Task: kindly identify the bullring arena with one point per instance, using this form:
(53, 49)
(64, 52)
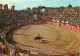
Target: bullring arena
(40, 31)
(56, 40)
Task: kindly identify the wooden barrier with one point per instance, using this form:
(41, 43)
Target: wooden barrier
(67, 55)
(78, 54)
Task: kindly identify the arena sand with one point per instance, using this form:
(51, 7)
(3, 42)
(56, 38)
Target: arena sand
(57, 40)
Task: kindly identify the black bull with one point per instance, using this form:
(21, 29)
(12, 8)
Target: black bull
(38, 38)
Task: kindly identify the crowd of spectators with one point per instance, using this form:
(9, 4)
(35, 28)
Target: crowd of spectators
(7, 18)
(68, 14)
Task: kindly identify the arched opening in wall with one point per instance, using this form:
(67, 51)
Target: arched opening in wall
(43, 10)
(35, 17)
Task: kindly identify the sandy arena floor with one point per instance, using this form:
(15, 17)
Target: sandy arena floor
(57, 40)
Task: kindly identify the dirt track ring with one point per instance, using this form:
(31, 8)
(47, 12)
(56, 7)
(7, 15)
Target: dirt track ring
(57, 40)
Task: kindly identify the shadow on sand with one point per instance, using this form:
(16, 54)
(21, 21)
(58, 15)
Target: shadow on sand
(44, 41)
